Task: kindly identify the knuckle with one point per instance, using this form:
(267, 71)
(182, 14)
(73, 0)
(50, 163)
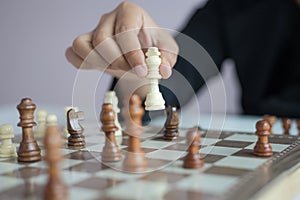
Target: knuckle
(99, 37)
(77, 43)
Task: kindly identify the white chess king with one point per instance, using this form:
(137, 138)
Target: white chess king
(154, 99)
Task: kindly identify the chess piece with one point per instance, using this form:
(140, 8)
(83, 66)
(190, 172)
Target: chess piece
(133, 113)
(135, 160)
(111, 97)
(55, 188)
(66, 109)
(154, 99)
(262, 147)
(193, 159)
(41, 123)
(171, 124)
(298, 126)
(271, 119)
(110, 151)
(29, 150)
(7, 148)
(286, 124)
(76, 138)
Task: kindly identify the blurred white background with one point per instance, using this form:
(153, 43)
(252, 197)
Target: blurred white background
(35, 34)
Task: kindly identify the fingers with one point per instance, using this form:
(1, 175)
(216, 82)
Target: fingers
(127, 27)
(75, 60)
(106, 46)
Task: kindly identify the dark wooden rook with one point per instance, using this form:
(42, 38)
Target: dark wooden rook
(29, 150)
(193, 159)
(76, 138)
(171, 124)
(111, 151)
(262, 147)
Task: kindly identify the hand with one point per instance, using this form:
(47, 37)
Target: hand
(119, 41)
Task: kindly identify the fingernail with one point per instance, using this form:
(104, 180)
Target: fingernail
(165, 71)
(140, 70)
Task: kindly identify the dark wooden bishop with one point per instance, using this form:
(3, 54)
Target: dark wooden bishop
(135, 160)
(111, 151)
(76, 138)
(55, 188)
(262, 147)
(193, 159)
(171, 124)
(286, 125)
(29, 150)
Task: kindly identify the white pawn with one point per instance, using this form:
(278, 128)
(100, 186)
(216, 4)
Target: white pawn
(51, 120)
(7, 148)
(66, 109)
(111, 97)
(154, 99)
(41, 123)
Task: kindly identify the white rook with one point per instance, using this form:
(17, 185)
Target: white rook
(154, 99)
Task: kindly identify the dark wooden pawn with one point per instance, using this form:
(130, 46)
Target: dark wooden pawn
(262, 147)
(29, 150)
(286, 125)
(171, 124)
(76, 138)
(193, 159)
(135, 160)
(55, 187)
(133, 113)
(111, 151)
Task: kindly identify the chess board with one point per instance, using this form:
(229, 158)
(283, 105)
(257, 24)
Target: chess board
(230, 171)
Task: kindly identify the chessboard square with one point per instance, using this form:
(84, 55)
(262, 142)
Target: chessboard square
(166, 154)
(73, 177)
(83, 193)
(96, 183)
(177, 168)
(282, 139)
(240, 162)
(163, 176)
(190, 195)
(242, 137)
(95, 139)
(90, 167)
(116, 175)
(9, 182)
(178, 146)
(66, 163)
(275, 147)
(156, 144)
(216, 150)
(82, 155)
(96, 148)
(210, 158)
(8, 167)
(230, 143)
(227, 171)
(142, 190)
(26, 172)
(208, 183)
(209, 141)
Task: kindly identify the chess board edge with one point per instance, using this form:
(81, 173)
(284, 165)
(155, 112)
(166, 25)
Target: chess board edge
(253, 183)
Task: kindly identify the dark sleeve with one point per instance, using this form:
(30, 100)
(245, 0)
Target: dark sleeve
(202, 51)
